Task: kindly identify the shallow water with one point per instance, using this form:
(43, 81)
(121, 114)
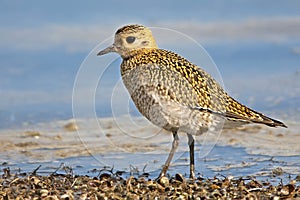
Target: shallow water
(222, 161)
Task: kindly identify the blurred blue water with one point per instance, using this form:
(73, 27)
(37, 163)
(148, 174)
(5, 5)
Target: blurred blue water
(33, 13)
(37, 76)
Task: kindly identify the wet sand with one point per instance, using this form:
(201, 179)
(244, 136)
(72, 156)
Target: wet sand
(62, 139)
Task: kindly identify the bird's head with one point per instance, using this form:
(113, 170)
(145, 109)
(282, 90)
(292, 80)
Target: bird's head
(130, 37)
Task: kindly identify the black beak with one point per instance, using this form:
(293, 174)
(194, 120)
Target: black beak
(107, 50)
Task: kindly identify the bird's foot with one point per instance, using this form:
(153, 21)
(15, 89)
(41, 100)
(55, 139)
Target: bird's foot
(161, 175)
(192, 177)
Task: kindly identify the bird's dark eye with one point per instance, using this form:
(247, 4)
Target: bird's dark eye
(130, 39)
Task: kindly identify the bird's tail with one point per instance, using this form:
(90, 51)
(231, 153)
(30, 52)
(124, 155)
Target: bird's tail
(238, 112)
(268, 121)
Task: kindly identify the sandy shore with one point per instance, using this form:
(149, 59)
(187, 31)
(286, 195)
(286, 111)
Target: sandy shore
(68, 138)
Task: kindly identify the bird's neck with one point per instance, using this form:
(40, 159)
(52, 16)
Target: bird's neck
(135, 58)
(136, 52)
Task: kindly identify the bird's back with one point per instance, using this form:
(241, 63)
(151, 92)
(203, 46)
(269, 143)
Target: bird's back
(165, 85)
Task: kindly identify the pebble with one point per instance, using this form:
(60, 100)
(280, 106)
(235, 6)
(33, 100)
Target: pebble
(72, 126)
(107, 186)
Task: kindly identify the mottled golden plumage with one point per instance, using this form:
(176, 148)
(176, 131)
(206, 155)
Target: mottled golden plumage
(175, 94)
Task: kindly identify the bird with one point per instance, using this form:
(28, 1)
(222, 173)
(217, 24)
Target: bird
(175, 94)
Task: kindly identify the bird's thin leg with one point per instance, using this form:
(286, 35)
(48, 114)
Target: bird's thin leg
(171, 154)
(191, 142)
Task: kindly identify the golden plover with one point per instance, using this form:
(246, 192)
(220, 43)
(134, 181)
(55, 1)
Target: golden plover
(175, 94)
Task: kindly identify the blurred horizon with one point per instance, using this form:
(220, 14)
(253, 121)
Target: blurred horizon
(255, 45)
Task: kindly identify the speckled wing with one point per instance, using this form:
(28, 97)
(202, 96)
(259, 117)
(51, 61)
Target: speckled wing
(216, 99)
